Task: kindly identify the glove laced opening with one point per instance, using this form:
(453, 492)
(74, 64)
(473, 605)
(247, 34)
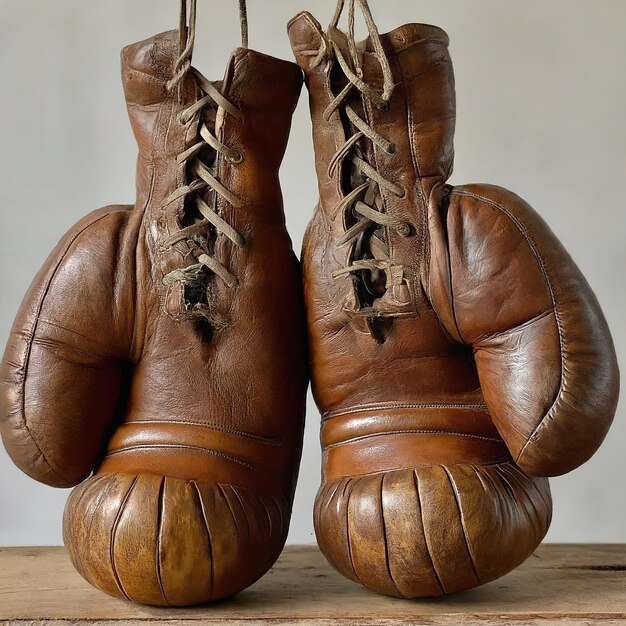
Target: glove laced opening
(363, 204)
(200, 163)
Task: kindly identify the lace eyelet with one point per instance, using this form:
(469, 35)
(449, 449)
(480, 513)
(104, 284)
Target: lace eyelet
(392, 149)
(235, 160)
(403, 194)
(405, 230)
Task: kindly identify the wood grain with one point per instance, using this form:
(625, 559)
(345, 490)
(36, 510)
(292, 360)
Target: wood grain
(560, 584)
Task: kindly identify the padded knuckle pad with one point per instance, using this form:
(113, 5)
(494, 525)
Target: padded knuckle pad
(386, 532)
(543, 350)
(171, 542)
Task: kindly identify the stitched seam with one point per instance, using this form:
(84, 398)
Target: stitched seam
(113, 538)
(27, 352)
(425, 205)
(428, 287)
(270, 525)
(383, 525)
(156, 269)
(280, 507)
(329, 93)
(507, 471)
(230, 508)
(457, 499)
(415, 279)
(209, 451)
(243, 509)
(412, 432)
(352, 485)
(205, 519)
(501, 333)
(379, 406)
(160, 514)
(544, 272)
(451, 286)
(141, 241)
(416, 483)
(411, 468)
(275, 443)
(67, 330)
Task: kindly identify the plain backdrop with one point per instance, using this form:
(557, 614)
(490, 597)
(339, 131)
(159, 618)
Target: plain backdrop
(541, 109)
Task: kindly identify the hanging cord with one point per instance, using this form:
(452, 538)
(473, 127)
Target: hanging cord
(243, 18)
(363, 199)
(206, 111)
(376, 42)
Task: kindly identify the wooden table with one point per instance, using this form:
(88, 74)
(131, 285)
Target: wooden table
(560, 584)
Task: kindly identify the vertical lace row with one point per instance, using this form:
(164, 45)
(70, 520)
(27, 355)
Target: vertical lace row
(199, 163)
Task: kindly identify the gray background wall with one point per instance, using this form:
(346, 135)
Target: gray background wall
(542, 105)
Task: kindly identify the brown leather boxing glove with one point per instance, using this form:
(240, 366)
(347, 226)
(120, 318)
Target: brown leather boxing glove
(458, 355)
(163, 345)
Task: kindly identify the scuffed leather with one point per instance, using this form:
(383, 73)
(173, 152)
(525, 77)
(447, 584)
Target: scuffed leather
(192, 433)
(494, 370)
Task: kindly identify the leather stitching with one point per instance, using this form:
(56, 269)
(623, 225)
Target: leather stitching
(457, 499)
(277, 443)
(415, 156)
(209, 451)
(522, 229)
(416, 482)
(113, 538)
(160, 514)
(446, 433)
(500, 333)
(451, 285)
(31, 338)
(352, 484)
(205, 519)
(383, 524)
(392, 405)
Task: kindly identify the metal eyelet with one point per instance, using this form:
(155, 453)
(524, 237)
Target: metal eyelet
(235, 160)
(392, 149)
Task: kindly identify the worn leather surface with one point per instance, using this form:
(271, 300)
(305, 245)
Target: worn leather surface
(192, 432)
(448, 402)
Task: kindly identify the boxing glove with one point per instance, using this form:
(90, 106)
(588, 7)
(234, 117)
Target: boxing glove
(158, 360)
(458, 356)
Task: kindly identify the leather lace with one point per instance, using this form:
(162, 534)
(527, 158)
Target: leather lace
(364, 199)
(210, 108)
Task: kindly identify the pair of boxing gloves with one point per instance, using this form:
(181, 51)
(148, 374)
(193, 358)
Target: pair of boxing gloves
(159, 361)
